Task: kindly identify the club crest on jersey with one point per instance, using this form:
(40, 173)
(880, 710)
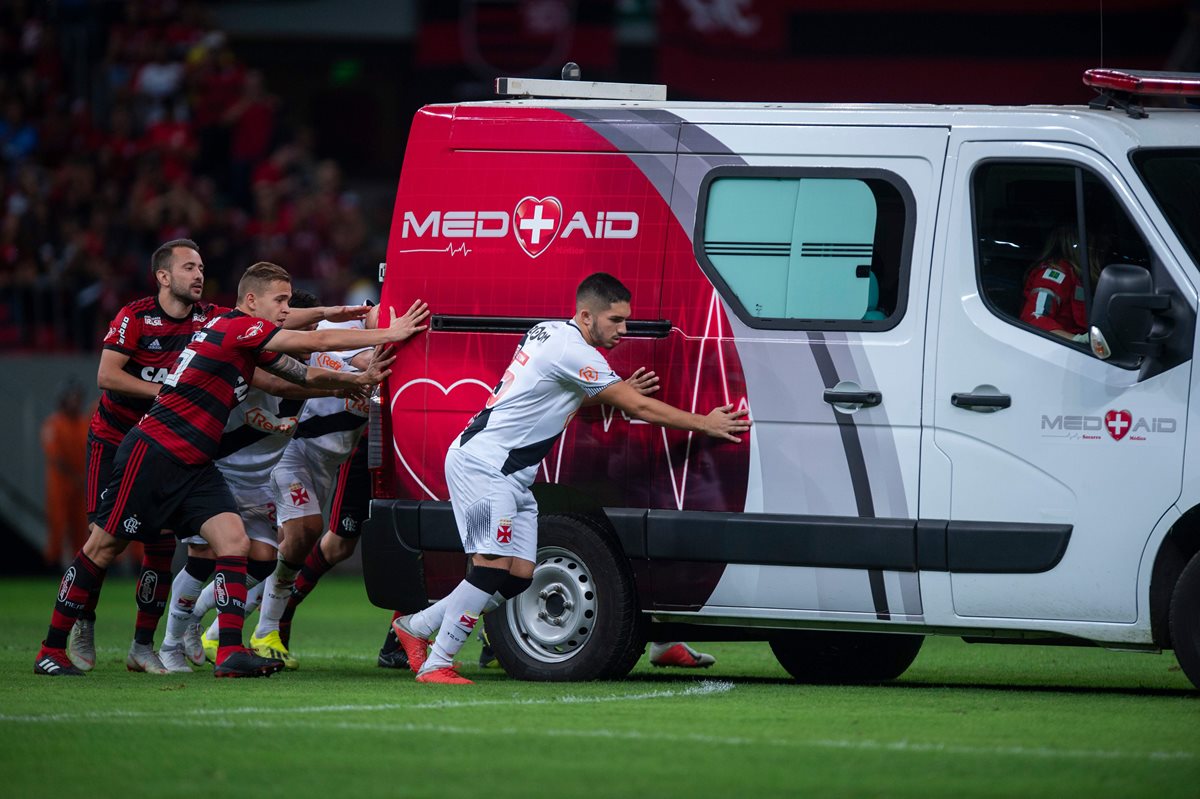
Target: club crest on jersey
(131, 525)
(64, 587)
(349, 525)
(299, 495)
(146, 586)
(252, 331)
(504, 531)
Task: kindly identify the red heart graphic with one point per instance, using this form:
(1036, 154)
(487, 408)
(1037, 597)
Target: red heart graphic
(536, 223)
(1118, 423)
(441, 425)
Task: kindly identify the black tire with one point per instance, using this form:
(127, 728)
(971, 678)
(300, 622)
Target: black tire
(1185, 620)
(583, 584)
(814, 656)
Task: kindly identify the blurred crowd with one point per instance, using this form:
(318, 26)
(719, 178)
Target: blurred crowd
(125, 124)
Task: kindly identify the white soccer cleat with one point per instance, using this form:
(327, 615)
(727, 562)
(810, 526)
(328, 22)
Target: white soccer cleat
(81, 644)
(175, 659)
(142, 657)
(192, 646)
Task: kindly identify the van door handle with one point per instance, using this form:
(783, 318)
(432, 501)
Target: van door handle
(866, 399)
(983, 403)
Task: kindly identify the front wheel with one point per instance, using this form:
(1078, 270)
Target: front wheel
(1185, 620)
(579, 619)
(815, 656)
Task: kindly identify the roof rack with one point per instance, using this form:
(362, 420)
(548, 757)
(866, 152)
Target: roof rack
(1124, 87)
(572, 87)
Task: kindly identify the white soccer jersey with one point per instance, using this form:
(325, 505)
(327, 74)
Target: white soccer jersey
(330, 424)
(552, 372)
(257, 431)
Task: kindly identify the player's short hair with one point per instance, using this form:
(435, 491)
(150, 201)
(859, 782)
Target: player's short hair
(161, 260)
(303, 299)
(259, 277)
(601, 288)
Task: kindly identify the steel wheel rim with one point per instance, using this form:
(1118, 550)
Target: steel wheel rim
(552, 620)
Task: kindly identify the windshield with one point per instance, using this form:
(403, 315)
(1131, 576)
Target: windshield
(1173, 177)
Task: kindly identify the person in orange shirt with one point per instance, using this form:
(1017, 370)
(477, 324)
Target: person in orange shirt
(64, 441)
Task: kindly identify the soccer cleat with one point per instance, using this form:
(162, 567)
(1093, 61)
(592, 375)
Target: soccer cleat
(413, 645)
(391, 656)
(209, 645)
(174, 658)
(443, 676)
(680, 655)
(244, 663)
(55, 663)
(193, 647)
(142, 657)
(81, 644)
(270, 646)
(487, 657)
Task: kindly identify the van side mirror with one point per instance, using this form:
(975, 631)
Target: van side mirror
(1123, 312)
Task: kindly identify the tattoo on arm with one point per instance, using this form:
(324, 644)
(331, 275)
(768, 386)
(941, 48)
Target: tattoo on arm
(290, 370)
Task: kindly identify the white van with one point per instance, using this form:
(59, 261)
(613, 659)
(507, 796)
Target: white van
(962, 425)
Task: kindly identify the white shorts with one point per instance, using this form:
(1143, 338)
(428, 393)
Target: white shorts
(303, 481)
(495, 515)
(256, 506)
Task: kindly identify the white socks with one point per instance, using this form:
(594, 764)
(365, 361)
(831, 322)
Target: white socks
(184, 591)
(275, 597)
(460, 613)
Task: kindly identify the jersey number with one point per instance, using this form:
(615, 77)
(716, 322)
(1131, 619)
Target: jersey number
(185, 358)
(501, 388)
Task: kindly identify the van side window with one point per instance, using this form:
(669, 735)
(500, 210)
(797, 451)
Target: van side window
(801, 252)
(1027, 230)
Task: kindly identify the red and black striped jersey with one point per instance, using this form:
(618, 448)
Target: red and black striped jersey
(153, 340)
(210, 377)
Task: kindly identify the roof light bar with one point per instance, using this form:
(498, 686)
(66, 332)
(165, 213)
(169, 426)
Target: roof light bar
(1146, 84)
(577, 89)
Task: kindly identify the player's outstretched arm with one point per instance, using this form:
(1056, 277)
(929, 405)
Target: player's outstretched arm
(296, 372)
(722, 422)
(300, 318)
(111, 376)
(298, 342)
(643, 381)
(265, 381)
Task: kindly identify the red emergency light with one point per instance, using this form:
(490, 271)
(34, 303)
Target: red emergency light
(1124, 88)
(1145, 84)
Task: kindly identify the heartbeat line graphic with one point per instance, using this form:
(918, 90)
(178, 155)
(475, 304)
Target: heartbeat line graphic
(453, 249)
(609, 414)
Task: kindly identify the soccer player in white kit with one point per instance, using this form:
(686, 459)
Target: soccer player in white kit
(491, 465)
(326, 436)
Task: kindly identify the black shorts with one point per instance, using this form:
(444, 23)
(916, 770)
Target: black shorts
(352, 495)
(150, 491)
(100, 454)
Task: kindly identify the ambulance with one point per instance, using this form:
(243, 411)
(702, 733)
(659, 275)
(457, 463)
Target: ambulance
(933, 452)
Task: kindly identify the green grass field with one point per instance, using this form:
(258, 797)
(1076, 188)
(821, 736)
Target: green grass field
(965, 720)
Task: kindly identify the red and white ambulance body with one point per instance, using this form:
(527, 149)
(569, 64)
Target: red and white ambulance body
(923, 460)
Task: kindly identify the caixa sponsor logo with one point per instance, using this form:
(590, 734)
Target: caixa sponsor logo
(535, 222)
(1118, 424)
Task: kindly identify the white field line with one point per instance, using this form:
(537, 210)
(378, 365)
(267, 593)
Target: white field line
(219, 718)
(702, 688)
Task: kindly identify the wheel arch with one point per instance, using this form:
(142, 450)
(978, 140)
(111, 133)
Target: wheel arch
(1178, 547)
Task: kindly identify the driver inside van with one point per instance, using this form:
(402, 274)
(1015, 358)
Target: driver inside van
(1054, 287)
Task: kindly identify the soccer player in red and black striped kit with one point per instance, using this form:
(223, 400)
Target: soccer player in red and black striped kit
(142, 344)
(163, 474)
